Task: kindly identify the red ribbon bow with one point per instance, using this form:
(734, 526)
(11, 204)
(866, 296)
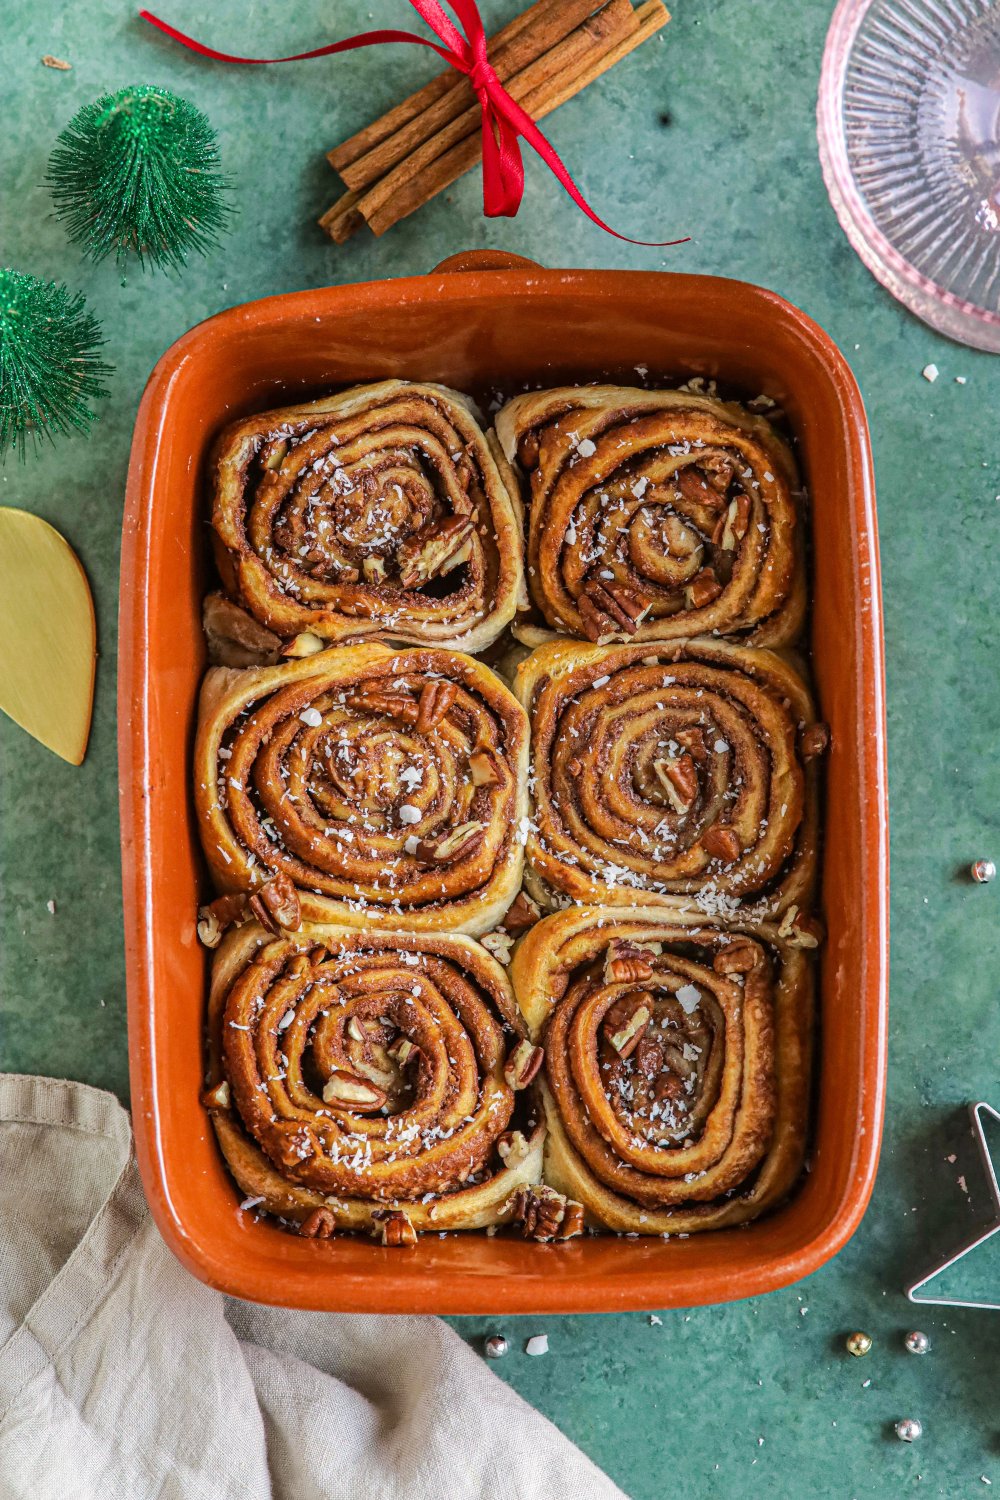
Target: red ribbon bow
(504, 121)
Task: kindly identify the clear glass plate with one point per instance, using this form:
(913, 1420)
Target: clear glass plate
(909, 136)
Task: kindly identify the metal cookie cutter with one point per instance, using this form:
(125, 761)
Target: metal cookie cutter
(976, 1111)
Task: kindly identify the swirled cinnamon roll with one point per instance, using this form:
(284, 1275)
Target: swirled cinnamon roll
(675, 1082)
(382, 511)
(383, 787)
(370, 1081)
(682, 778)
(656, 514)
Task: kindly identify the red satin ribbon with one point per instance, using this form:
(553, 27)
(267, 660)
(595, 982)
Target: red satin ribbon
(504, 121)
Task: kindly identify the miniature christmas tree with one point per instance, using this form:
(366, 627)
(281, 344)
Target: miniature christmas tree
(137, 173)
(50, 371)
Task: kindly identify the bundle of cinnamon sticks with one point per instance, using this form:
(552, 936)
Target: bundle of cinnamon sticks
(544, 57)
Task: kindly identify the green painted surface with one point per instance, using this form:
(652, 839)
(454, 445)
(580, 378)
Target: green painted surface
(678, 1408)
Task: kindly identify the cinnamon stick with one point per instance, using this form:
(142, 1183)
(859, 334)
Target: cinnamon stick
(454, 143)
(544, 26)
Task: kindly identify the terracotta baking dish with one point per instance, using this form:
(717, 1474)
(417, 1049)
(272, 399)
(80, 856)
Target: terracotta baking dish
(478, 320)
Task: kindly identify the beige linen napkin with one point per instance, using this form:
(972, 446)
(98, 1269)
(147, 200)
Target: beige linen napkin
(123, 1378)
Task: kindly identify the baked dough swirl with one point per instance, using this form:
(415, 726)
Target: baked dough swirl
(656, 514)
(675, 1083)
(356, 1081)
(389, 787)
(682, 778)
(383, 511)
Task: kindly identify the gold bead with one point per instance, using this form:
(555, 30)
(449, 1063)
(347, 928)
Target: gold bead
(858, 1344)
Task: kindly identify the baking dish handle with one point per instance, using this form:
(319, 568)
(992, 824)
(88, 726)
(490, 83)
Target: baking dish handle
(486, 260)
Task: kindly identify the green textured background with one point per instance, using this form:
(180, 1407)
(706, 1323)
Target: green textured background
(709, 130)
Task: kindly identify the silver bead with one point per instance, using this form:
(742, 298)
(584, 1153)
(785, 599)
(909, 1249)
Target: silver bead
(983, 871)
(917, 1343)
(909, 1429)
(496, 1346)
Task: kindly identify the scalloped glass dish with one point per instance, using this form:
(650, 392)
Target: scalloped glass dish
(909, 135)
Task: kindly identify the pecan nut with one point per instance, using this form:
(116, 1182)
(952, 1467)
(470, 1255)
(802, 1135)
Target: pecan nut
(373, 698)
(395, 1229)
(523, 1064)
(434, 550)
(800, 930)
(741, 956)
(435, 700)
(545, 1215)
(721, 843)
(352, 1092)
(703, 589)
(483, 769)
(452, 845)
(217, 1097)
(522, 913)
(276, 905)
(223, 912)
(500, 945)
(610, 608)
(626, 963)
(319, 1225)
(628, 1037)
(731, 527)
(679, 779)
(813, 740)
(513, 1149)
(306, 643)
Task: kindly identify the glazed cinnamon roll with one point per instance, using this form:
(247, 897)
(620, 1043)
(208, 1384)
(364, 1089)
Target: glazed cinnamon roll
(370, 1081)
(656, 514)
(681, 778)
(381, 787)
(675, 1081)
(382, 511)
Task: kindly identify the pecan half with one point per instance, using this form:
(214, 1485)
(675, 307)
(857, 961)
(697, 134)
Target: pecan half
(703, 588)
(513, 1148)
(452, 845)
(373, 569)
(679, 779)
(813, 740)
(731, 527)
(435, 700)
(521, 1067)
(482, 768)
(276, 905)
(217, 1097)
(740, 957)
(545, 1215)
(649, 1057)
(721, 843)
(434, 550)
(705, 483)
(306, 643)
(628, 1037)
(609, 607)
(500, 945)
(626, 963)
(319, 1225)
(799, 930)
(394, 1228)
(694, 742)
(217, 915)
(403, 1051)
(522, 913)
(352, 1092)
(372, 698)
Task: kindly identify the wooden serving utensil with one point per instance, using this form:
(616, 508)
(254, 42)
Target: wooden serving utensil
(48, 638)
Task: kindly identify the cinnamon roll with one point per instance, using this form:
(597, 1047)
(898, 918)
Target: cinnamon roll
(682, 777)
(676, 1070)
(382, 511)
(368, 1081)
(656, 514)
(378, 787)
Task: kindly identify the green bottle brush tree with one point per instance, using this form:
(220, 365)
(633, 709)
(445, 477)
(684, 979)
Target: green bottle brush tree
(50, 370)
(137, 173)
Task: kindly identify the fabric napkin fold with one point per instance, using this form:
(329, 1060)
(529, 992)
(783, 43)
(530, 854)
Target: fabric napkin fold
(124, 1378)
